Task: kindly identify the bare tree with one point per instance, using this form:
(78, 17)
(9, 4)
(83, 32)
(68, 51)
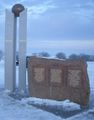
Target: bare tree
(61, 55)
(44, 54)
(73, 56)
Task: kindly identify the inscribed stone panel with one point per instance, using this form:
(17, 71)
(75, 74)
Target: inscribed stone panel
(39, 74)
(56, 75)
(74, 78)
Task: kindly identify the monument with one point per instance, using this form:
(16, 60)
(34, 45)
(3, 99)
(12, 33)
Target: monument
(58, 79)
(47, 78)
(14, 17)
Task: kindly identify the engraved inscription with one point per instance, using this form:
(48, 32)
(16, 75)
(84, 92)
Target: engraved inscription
(56, 75)
(39, 74)
(74, 77)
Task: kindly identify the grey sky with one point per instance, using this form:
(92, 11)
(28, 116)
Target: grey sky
(55, 20)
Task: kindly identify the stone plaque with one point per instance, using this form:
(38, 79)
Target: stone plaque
(56, 75)
(39, 74)
(74, 78)
(59, 80)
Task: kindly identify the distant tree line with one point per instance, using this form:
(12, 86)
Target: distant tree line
(59, 55)
(83, 56)
(62, 55)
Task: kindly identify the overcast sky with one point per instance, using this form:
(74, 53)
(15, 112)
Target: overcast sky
(56, 25)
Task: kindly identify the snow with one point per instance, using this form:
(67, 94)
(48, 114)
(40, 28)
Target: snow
(65, 105)
(14, 109)
(89, 115)
(91, 74)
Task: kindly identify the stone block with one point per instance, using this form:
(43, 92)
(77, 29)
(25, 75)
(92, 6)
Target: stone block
(59, 80)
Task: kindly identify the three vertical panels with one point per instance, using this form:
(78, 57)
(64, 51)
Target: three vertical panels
(58, 79)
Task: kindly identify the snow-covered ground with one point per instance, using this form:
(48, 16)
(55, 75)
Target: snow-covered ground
(14, 109)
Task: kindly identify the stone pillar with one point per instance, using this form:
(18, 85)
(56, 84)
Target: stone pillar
(10, 51)
(18, 10)
(22, 50)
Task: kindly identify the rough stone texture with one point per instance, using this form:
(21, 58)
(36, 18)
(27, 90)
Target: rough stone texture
(56, 75)
(59, 80)
(39, 74)
(74, 77)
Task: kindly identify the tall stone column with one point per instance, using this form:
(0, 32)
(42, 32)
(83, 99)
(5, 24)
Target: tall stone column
(10, 51)
(11, 20)
(22, 50)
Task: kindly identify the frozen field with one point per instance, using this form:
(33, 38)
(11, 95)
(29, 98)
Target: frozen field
(13, 109)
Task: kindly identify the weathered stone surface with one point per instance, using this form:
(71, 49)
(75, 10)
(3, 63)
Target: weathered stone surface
(39, 74)
(59, 80)
(74, 77)
(56, 75)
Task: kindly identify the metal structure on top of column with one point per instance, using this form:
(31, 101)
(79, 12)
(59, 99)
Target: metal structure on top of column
(11, 21)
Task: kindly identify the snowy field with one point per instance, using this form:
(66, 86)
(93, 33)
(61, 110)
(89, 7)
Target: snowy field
(14, 109)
